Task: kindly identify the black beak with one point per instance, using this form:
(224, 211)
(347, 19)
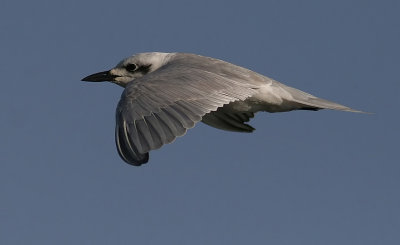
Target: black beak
(100, 77)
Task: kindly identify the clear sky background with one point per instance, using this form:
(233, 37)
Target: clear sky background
(302, 177)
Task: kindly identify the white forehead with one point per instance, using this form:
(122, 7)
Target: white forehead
(156, 59)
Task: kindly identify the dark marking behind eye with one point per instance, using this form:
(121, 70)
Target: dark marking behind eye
(144, 69)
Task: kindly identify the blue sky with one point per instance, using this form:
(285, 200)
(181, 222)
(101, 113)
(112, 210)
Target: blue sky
(303, 177)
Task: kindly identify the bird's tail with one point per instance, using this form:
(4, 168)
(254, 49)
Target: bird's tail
(311, 102)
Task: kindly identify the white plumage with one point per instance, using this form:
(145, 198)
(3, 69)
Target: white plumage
(167, 93)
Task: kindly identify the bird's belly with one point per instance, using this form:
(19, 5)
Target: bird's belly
(254, 105)
(269, 98)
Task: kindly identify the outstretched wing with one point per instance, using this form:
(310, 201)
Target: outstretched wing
(226, 119)
(162, 105)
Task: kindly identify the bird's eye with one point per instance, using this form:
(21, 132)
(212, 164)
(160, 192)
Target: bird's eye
(131, 67)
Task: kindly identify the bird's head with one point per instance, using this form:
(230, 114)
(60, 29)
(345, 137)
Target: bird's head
(131, 68)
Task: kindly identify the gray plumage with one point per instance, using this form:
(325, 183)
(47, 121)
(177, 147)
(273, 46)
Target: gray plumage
(167, 93)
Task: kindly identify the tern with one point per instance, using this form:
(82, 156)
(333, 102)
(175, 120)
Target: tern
(168, 93)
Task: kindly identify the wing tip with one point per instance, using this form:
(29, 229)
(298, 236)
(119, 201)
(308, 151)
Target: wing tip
(137, 162)
(126, 151)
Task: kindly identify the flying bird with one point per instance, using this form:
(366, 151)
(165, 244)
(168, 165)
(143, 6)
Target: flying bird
(167, 93)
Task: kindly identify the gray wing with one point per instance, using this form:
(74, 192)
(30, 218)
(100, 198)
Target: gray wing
(226, 119)
(162, 105)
